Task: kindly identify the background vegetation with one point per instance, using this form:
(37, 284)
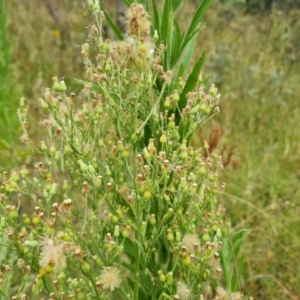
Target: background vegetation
(253, 55)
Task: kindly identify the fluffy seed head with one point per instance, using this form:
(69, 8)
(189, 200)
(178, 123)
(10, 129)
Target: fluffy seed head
(110, 278)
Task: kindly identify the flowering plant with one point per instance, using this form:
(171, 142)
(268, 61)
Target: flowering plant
(121, 206)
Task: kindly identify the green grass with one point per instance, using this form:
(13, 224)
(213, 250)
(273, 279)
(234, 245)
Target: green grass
(255, 60)
(8, 91)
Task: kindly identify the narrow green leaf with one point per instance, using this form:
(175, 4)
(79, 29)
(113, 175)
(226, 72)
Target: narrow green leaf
(188, 53)
(112, 25)
(192, 80)
(156, 20)
(166, 32)
(128, 2)
(198, 17)
(195, 24)
(176, 43)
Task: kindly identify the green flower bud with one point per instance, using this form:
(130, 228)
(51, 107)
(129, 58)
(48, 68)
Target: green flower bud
(91, 169)
(186, 260)
(107, 171)
(14, 214)
(43, 146)
(147, 195)
(205, 236)
(32, 244)
(36, 220)
(167, 103)
(176, 96)
(170, 278)
(125, 154)
(143, 226)
(98, 181)
(86, 267)
(62, 86)
(170, 235)
(84, 167)
(3, 222)
(152, 219)
(65, 186)
(56, 85)
(126, 232)
(53, 189)
(114, 219)
(44, 104)
(117, 231)
(90, 3)
(213, 91)
(163, 138)
(202, 171)
(162, 277)
(22, 102)
(61, 277)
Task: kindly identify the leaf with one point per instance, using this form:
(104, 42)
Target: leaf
(191, 82)
(194, 26)
(156, 20)
(129, 248)
(197, 19)
(128, 2)
(145, 280)
(176, 43)
(112, 25)
(166, 32)
(189, 52)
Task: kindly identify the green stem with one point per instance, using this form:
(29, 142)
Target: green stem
(153, 108)
(137, 266)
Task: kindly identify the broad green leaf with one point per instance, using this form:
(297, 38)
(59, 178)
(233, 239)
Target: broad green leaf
(129, 248)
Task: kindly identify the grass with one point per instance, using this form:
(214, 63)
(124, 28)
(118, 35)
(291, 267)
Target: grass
(256, 59)
(8, 91)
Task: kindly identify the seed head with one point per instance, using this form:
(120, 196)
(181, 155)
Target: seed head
(110, 278)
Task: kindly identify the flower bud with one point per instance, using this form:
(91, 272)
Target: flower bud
(43, 146)
(163, 138)
(33, 244)
(126, 232)
(162, 277)
(152, 219)
(117, 231)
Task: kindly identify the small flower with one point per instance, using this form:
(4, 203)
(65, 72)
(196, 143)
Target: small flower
(190, 241)
(110, 278)
(183, 292)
